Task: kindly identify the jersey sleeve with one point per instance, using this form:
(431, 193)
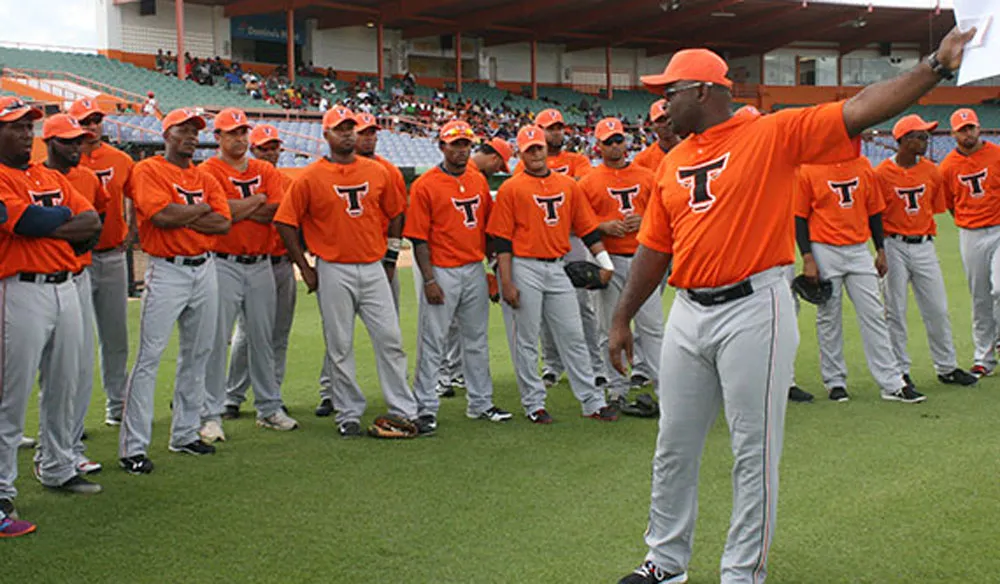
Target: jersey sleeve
(935, 181)
(295, 204)
(656, 231)
(393, 199)
(947, 186)
(584, 219)
(14, 204)
(101, 197)
(583, 167)
(418, 215)
(76, 202)
(645, 192)
(501, 223)
(815, 135)
(802, 190)
(150, 194)
(876, 193)
(215, 196)
(274, 186)
(487, 203)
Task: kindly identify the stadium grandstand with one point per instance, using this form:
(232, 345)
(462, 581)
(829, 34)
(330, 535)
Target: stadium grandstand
(418, 63)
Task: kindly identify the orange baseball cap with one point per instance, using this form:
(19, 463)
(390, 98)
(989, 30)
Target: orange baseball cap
(183, 115)
(63, 126)
(529, 136)
(263, 133)
(549, 117)
(365, 120)
(503, 148)
(607, 128)
(657, 110)
(230, 119)
(690, 65)
(962, 118)
(336, 116)
(13, 109)
(912, 123)
(456, 130)
(83, 108)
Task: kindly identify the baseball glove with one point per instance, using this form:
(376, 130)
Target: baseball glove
(585, 275)
(815, 293)
(389, 426)
(644, 406)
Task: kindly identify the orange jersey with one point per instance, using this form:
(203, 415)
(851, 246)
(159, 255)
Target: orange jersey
(277, 245)
(114, 168)
(450, 214)
(615, 194)
(912, 197)
(972, 186)
(41, 186)
(89, 186)
(651, 157)
(723, 204)
(246, 237)
(537, 214)
(342, 209)
(838, 199)
(396, 180)
(156, 184)
(568, 163)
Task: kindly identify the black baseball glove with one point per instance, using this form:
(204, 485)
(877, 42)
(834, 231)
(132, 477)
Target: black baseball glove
(644, 406)
(585, 275)
(812, 292)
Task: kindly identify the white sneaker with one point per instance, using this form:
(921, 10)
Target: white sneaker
(86, 467)
(211, 431)
(279, 420)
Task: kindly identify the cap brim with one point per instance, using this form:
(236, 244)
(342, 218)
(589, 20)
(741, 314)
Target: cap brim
(656, 82)
(451, 139)
(236, 127)
(550, 124)
(30, 112)
(200, 120)
(957, 128)
(72, 135)
(268, 141)
(523, 147)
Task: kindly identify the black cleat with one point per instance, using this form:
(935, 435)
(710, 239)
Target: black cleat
(839, 394)
(196, 448)
(605, 414)
(78, 486)
(908, 381)
(7, 508)
(650, 573)
(426, 424)
(324, 409)
(549, 379)
(639, 381)
(906, 394)
(231, 413)
(617, 403)
(796, 394)
(349, 429)
(958, 377)
(445, 390)
(136, 465)
(540, 417)
(600, 381)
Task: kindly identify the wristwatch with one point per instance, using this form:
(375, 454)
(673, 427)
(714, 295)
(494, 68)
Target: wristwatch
(939, 68)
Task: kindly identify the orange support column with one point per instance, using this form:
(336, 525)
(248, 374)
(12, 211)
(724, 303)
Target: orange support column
(607, 68)
(290, 13)
(380, 44)
(179, 18)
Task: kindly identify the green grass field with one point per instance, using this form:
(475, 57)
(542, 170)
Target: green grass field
(871, 491)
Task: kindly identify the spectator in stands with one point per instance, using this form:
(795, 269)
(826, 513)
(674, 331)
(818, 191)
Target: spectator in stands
(409, 84)
(149, 108)
(161, 60)
(233, 78)
(170, 66)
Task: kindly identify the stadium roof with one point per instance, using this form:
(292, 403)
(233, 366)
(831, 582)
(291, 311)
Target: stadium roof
(739, 27)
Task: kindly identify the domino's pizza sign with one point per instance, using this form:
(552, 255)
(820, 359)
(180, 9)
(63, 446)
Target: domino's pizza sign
(264, 27)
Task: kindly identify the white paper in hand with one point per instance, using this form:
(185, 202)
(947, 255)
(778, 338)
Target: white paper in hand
(980, 58)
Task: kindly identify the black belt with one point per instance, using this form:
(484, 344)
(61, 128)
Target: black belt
(107, 250)
(275, 260)
(183, 261)
(741, 290)
(53, 278)
(241, 259)
(623, 255)
(912, 238)
(546, 260)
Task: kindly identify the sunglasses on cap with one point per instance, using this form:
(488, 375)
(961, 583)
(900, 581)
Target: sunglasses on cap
(13, 107)
(452, 132)
(674, 90)
(616, 139)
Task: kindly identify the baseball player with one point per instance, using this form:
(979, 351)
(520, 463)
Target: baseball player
(618, 193)
(367, 139)
(181, 210)
(971, 175)
(838, 207)
(653, 154)
(246, 285)
(492, 157)
(534, 213)
(722, 213)
(913, 193)
(46, 224)
(446, 221)
(265, 145)
(574, 165)
(64, 137)
(108, 272)
(346, 232)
